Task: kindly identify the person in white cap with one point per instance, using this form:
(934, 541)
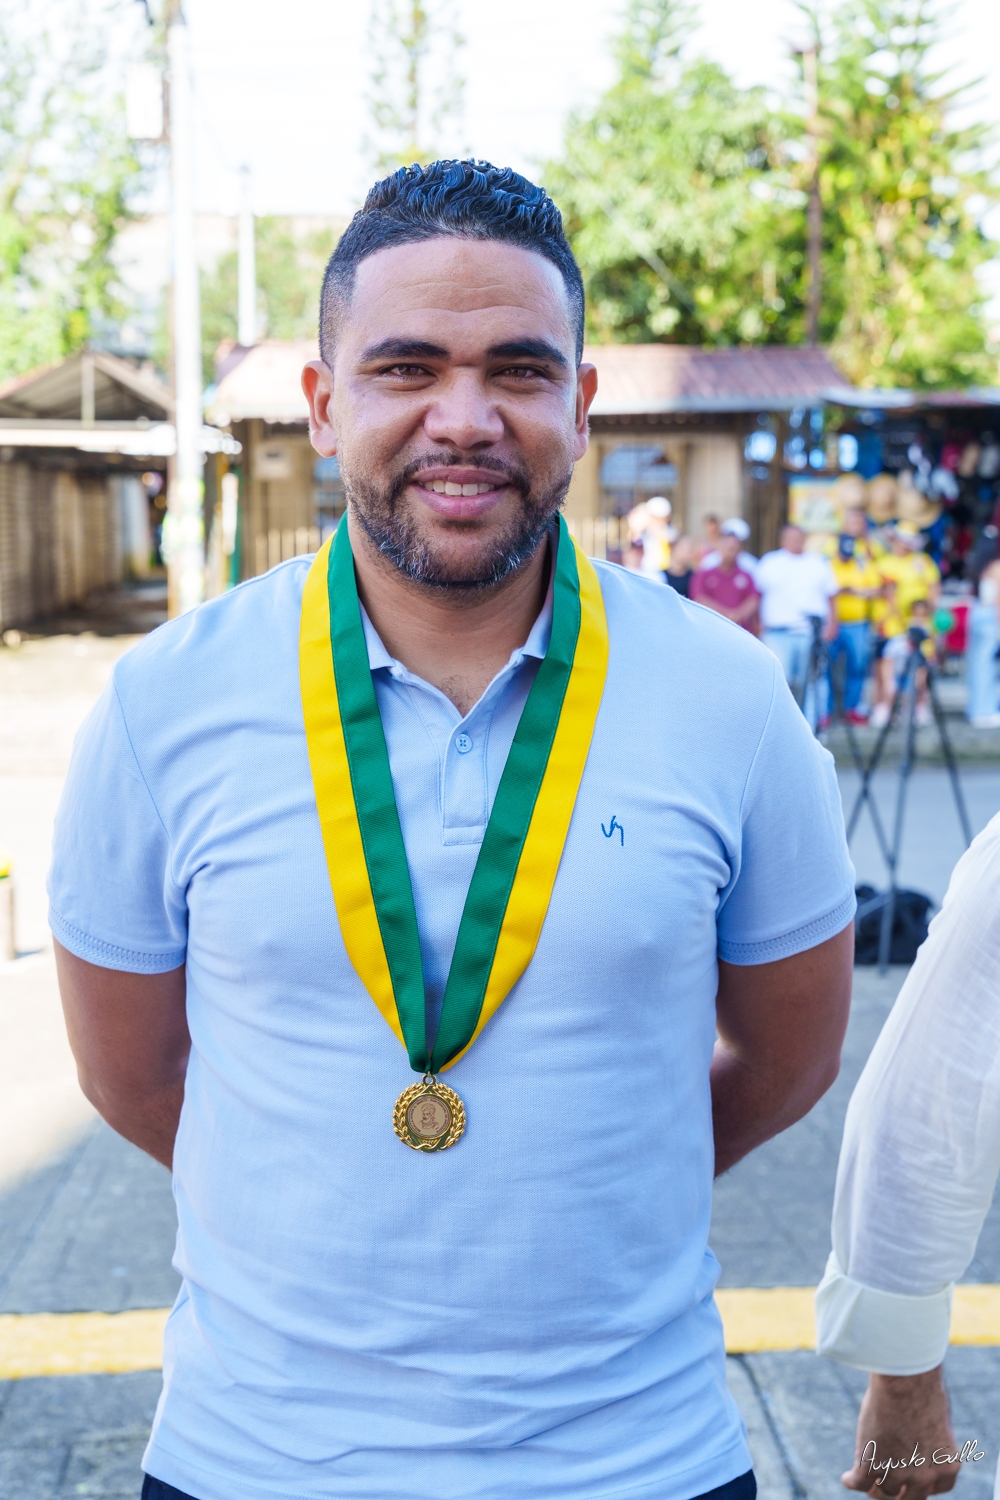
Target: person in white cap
(649, 527)
(746, 561)
(918, 1168)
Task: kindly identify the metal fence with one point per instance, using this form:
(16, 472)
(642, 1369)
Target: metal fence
(600, 535)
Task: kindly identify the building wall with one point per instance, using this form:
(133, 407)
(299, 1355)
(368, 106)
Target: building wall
(59, 539)
(709, 472)
(713, 480)
(277, 496)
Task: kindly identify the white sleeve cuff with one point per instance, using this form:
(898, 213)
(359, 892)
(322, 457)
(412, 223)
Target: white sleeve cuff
(884, 1333)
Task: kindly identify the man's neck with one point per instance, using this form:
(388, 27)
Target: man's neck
(457, 644)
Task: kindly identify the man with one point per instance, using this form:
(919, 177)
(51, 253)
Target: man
(858, 584)
(796, 589)
(918, 1169)
(450, 770)
(726, 587)
(738, 528)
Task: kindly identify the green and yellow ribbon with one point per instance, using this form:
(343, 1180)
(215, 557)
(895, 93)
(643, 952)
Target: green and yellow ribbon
(519, 858)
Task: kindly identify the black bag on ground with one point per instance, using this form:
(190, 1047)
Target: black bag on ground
(909, 927)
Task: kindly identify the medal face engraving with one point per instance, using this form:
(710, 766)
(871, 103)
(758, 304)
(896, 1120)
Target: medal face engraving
(429, 1116)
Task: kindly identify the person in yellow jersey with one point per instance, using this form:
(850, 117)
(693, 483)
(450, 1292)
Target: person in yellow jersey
(859, 583)
(908, 574)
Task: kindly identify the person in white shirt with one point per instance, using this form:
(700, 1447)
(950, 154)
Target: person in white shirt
(797, 587)
(746, 561)
(918, 1168)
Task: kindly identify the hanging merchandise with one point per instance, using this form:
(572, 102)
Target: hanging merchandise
(912, 505)
(882, 492)
(969, 462)
(989, 459)
(943, 485)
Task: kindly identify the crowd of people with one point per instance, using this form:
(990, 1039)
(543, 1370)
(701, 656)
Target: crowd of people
(843, 618)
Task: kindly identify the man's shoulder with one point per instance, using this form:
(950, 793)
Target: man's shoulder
(226, 637)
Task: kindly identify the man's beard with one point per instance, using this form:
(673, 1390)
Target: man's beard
(393, 533)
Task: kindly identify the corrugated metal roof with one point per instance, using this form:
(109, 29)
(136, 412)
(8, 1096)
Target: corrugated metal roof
(54, 393)
(643, 379)
(265, 383)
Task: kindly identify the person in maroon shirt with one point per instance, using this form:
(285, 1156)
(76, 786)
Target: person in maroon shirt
(727, 588)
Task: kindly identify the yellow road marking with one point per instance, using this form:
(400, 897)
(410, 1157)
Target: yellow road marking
(755, 1319)
(88, 1343)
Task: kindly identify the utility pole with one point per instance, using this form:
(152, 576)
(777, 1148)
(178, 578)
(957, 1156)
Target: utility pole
(814, 223)
(246, 318)
(185, 550)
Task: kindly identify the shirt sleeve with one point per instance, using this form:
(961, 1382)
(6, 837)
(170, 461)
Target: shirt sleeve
(111, 898)
(794, 884)
(921, 1149)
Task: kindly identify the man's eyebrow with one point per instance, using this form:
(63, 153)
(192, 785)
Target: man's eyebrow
(529, 349)
(404, 349)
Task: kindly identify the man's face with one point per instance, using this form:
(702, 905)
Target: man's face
(854, 523)
(792, 539)
(729, 549)
(454, 405)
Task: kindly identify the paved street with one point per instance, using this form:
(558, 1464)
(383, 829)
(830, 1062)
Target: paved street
(86, 1222)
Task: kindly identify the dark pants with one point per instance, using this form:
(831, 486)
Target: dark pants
(744, 1488)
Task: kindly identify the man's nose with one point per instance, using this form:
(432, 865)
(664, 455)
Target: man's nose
(463, 413)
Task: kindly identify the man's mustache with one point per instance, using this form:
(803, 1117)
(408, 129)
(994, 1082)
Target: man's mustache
(515, 477)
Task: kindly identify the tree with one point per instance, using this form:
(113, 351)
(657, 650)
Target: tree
(416, 89)
(903, 192)
(667, 188)
(66, 170)
(289, 274)
(685, 199)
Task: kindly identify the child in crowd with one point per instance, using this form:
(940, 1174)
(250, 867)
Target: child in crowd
(896, 655)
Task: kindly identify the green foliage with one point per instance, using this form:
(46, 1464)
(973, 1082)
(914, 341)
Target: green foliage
(665, 187)
(685, 200)
(903, 194)
(66, 169)
(416, 89)
(289, 274)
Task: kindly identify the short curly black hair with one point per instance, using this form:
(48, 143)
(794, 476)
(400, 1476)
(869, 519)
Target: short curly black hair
(468, 199)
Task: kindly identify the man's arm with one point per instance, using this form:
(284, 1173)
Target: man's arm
(918, 1167)
(781, 1027)
(130, 1039)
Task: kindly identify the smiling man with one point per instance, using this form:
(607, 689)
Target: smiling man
(399, 894)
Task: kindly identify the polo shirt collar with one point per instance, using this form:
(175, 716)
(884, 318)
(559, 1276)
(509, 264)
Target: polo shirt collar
(536, 644)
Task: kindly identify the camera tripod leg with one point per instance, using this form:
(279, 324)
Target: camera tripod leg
(864, 792)
(909, 687)
(949, 760)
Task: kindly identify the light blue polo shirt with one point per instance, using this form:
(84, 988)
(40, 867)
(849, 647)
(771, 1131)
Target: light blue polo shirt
(530, 1313)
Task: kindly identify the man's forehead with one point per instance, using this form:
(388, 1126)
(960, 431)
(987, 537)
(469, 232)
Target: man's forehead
(465, 282)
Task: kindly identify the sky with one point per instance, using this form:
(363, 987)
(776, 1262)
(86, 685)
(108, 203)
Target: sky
(282, 86)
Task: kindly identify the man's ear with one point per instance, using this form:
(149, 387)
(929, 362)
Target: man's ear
(586, 390)
(317, 383)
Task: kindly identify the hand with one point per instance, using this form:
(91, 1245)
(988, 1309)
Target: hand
(903, 1426)
(831, 630)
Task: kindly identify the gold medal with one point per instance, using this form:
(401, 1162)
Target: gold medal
(429, 1116)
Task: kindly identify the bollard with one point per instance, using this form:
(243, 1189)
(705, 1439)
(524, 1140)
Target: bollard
(8, 947)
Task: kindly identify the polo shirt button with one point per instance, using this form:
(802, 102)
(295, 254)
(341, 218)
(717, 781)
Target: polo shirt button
(463, 744)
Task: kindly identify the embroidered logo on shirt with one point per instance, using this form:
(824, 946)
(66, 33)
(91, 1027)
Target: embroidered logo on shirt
(616, 827)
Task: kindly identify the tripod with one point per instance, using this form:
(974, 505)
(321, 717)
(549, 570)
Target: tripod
(815, 676)
(905, 696)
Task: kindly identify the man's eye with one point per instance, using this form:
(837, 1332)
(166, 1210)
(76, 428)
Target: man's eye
(406, 372)
(521, 372)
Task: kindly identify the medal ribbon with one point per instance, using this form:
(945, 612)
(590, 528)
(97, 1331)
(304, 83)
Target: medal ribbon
(519, 858)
